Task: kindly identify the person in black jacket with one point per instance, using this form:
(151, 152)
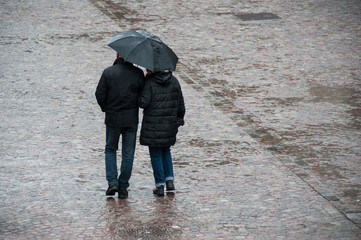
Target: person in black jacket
(116, 94)
(163, 113)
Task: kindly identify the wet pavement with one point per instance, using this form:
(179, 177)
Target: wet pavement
(270, 149)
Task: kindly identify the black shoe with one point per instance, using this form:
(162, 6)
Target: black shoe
(112, 189)
(159, 191)
(122, 193)
(170, 185)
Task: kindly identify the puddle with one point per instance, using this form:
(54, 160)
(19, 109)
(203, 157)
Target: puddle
(335, 95)
(257, 16)
(354, 191)
(329, 171)
(340, 95)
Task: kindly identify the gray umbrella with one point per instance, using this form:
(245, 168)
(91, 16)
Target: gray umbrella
(144, 49)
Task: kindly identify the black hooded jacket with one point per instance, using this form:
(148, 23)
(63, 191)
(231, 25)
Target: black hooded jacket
(163, 104)
(117, 93)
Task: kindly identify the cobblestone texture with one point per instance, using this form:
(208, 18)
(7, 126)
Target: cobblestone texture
(270, 149)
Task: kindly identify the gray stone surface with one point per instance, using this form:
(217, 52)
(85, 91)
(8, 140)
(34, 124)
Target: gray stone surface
(270, 149)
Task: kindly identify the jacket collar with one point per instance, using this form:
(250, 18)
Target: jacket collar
(120, 61)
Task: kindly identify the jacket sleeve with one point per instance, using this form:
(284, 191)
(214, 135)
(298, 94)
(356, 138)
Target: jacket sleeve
(141, 85)
(145, 97)
(101, 92)
(181, 107)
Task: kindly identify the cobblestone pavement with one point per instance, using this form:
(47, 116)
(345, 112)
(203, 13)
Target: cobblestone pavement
(270, 149)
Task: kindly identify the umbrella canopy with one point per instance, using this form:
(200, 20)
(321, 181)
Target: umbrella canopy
(144, 49)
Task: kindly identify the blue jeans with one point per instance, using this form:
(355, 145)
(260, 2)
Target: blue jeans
(129, 135)
(162, 164)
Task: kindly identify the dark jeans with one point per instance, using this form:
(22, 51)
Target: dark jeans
(128, 148)
(162, 164)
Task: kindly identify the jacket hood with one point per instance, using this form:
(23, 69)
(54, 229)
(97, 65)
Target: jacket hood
(163, 78)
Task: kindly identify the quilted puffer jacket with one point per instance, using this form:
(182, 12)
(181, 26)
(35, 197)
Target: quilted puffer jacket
(163, 104)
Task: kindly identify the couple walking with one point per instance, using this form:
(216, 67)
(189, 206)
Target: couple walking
(121, 90)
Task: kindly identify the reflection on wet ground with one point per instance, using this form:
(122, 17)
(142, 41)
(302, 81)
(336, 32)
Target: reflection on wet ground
(315, 131)
(270, 148)
(153, 220)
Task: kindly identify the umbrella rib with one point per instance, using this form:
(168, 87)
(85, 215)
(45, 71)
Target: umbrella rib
(134, 49)
(137, 46)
